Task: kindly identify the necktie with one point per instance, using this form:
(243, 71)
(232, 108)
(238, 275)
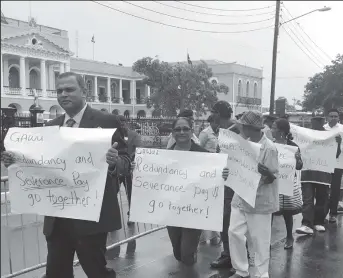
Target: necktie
(70, 122)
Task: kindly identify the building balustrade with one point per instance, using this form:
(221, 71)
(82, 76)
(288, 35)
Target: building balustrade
(51, 93)
(249, 100)
(12, 91)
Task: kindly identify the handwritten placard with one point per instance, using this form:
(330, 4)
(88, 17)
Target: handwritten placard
(287, 163)
(318, 148)
(242, 162)
(58, 171)
(178, 188)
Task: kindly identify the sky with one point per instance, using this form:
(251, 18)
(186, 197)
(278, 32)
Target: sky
(121, 38)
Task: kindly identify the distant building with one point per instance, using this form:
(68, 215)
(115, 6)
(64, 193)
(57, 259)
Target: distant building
(33, 55)
(245, 84)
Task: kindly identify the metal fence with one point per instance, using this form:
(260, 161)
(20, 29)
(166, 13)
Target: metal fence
(23, 248)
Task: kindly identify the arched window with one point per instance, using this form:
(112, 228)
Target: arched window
(13, 78)
(248, 87)
(240, 87)
(255, 90)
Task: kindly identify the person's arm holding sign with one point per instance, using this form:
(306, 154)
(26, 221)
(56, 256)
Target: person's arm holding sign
(269, 165)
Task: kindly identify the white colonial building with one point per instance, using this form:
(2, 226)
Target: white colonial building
(33, 55)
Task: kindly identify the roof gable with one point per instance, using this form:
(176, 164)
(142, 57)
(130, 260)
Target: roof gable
(34, 40)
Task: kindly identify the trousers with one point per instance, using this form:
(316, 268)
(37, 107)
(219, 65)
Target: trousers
(62, 245)
(335, 191)
(185, 243)
(314, 214)
(258, 228)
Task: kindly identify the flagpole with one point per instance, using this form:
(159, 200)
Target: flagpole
(93, 51)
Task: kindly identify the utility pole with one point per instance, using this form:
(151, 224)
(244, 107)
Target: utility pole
(276, 34)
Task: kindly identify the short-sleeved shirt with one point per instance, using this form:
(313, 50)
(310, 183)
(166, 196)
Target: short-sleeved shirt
(209, 139)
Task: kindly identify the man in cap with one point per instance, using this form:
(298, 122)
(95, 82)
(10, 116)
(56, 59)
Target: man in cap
(256, 221)
(268, 123)
(183, 114)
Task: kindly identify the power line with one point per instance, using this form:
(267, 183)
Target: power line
(206, 22)
(203, 13)
(314, 53)
(300, 47)
(298, 24)
(309, 51)
(183, 28)
(202, 7)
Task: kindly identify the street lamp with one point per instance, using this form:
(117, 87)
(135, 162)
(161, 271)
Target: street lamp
(324, 9)
(275, 45)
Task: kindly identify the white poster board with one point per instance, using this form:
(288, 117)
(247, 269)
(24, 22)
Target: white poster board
(178, 188)
(287, 163)
(318, 148)
(58, 172)
(242, 163)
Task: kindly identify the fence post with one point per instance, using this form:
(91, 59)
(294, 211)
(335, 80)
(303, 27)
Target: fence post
(37, 118)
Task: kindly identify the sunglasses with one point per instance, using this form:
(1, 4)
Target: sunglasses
(184, 129)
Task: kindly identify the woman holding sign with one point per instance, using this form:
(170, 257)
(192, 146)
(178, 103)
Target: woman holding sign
(289, 205)
(185, 241)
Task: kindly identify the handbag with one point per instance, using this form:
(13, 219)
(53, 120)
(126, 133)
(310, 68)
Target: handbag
(293, 203)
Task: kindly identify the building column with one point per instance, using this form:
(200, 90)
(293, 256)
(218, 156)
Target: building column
(51, 77)
(121, 91)
(2, 77)
(22, 76)
(109, 96)
(43, 76)
(147, 91)
(61, 68)
(96, 97)
(27, 73)
(133, 92)
(5, 70)
(66, 67)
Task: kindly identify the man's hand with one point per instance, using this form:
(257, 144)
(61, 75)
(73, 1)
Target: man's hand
(112, 156)
(339, 139)
(266, 174)
(8, 158)
(297, 155)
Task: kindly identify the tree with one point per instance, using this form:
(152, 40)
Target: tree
(179, 86)
(325, 90)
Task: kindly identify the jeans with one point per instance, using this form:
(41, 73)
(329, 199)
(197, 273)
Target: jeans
(314, 214)
(335, 191)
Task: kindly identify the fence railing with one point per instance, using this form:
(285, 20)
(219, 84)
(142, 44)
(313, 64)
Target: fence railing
(23, 249)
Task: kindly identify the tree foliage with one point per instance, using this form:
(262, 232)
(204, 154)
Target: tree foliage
(178, 86)
(325, 89)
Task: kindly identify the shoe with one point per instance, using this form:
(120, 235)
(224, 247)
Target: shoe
(239, 276)
(222, 262)
(304, 230)
(332, 219)
(289, 243)
(319, 228)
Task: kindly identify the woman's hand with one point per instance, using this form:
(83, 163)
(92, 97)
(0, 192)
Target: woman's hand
(299, 162)
(225, 174)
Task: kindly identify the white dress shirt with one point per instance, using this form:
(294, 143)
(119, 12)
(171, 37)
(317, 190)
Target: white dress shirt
(77, 118)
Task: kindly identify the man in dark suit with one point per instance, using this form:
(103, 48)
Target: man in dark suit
(87, 238)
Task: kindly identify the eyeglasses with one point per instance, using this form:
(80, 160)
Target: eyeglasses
(183, 129)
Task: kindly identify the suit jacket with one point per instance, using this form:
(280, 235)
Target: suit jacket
(110, 219)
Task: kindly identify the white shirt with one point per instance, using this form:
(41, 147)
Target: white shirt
(268, 132)
(208, 139)
(77, 118)
(339, 128)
